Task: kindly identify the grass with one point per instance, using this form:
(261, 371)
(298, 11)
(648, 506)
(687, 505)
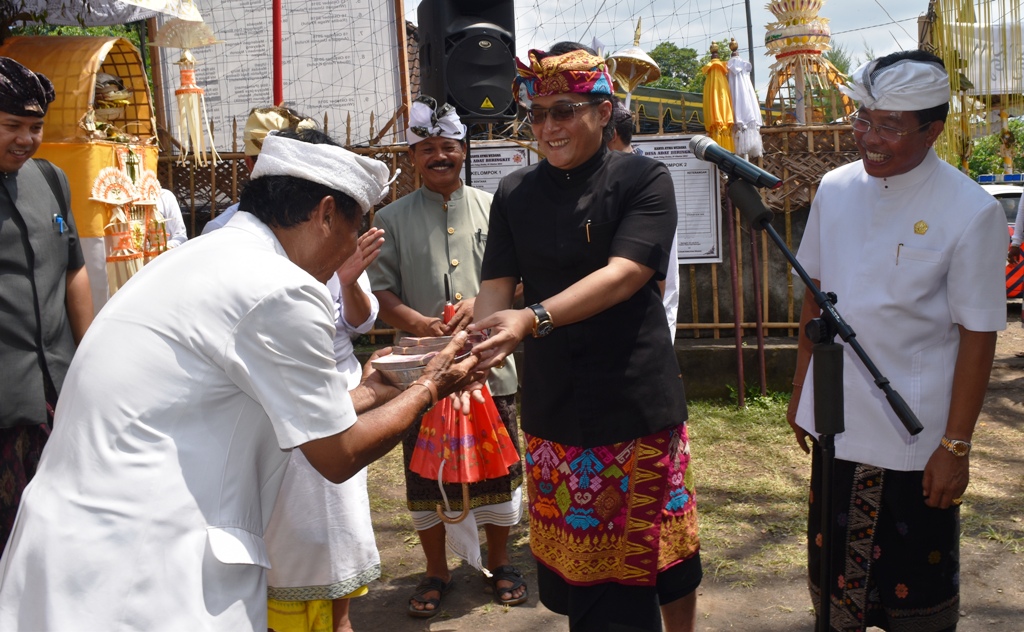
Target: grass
(751, 483)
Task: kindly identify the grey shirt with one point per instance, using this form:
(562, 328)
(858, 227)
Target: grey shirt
(36, 251)
(424, 239)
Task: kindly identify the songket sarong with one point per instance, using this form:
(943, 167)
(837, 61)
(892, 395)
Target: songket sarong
(895, 561)
(616, 513)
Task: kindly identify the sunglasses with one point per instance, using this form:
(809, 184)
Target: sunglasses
(561, 112)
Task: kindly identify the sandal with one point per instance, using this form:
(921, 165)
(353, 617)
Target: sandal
(508, 573)
(429, 584)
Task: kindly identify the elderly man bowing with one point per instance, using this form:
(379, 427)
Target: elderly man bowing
(171, 437)
(914, 249)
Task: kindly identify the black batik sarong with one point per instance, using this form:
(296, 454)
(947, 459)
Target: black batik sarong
(895, 561)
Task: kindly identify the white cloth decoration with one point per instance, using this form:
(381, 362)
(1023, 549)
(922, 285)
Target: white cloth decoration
(364, 179)
(905, 86)
(746, 110)
(427, 120)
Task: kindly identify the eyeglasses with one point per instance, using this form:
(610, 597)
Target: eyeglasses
(561, 112)
(888, 134)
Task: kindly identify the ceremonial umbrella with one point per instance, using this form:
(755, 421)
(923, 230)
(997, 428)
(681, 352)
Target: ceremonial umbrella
(746, 110)
(717, 101)
(193, 121)
(632, 67)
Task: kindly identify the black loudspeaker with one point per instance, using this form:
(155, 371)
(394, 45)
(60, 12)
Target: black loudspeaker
(467, 56)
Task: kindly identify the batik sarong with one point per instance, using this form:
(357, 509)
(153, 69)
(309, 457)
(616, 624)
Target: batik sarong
(615, 513)
(20, 450)
(895, 561)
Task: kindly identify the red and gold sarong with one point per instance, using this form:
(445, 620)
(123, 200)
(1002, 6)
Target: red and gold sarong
(621, 512)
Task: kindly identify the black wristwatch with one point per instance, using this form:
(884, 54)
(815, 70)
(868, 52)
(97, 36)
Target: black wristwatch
(542, 324)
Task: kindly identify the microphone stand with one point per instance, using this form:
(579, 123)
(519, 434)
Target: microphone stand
(829, 419)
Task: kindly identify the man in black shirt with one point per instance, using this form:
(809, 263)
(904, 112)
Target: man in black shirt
(613, 523)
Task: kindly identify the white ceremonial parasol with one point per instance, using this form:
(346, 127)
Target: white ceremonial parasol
(746, 110)
(632, 67)
(192, 118)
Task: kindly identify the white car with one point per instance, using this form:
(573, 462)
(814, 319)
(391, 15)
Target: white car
(1009, 197)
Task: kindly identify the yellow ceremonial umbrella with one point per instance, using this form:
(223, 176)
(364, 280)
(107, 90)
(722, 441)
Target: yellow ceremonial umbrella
(718, 117)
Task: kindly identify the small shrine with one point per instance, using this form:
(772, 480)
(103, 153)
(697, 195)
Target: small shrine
(802, 79)
(101, 132)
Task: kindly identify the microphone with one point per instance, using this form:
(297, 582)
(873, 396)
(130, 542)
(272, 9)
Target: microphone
(708, 150)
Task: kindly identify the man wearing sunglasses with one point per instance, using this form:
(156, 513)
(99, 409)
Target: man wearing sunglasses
(435, 240)
(914, 250)
(588, 231)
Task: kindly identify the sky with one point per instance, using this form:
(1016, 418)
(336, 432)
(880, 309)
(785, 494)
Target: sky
(858, 26)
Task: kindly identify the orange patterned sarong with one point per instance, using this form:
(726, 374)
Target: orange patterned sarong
(620, 513)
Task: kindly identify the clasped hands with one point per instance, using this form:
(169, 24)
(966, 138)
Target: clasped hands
(507, 329)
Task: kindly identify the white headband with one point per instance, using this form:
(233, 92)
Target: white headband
(905, 86)
(427, 120)
(364, 179)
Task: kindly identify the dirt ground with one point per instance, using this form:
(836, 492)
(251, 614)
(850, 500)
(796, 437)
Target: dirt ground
(992, 549)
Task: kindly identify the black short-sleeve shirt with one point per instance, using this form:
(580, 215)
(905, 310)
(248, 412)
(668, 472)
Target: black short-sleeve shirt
(614, 376)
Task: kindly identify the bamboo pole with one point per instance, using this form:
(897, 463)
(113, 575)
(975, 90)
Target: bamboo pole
(403, 59)
(758, 314)
(159, 106)
(213, 181)
(737, 300)
(192, 191)
(694, 313)
(715, 314)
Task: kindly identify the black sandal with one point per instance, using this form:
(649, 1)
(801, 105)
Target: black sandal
(509, 573)
(429, 584)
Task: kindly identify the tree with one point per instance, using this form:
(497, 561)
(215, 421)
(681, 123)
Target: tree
(986, 157)
(827, 102)
(124, 31)
(840, 58)
(13, 11)
(696, 84)
(679, 66)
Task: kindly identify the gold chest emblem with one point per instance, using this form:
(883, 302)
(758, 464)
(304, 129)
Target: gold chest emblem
(921, 227)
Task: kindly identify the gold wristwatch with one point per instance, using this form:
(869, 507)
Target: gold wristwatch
(542, 324)
(956, 446)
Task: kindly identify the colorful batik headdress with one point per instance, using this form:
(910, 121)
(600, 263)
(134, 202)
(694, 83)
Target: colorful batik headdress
(574, 72)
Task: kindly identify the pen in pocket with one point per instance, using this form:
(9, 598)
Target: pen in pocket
(58, 221)
(587, 227)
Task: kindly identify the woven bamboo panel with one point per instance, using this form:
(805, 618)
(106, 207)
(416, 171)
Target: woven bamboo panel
(801, 156)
